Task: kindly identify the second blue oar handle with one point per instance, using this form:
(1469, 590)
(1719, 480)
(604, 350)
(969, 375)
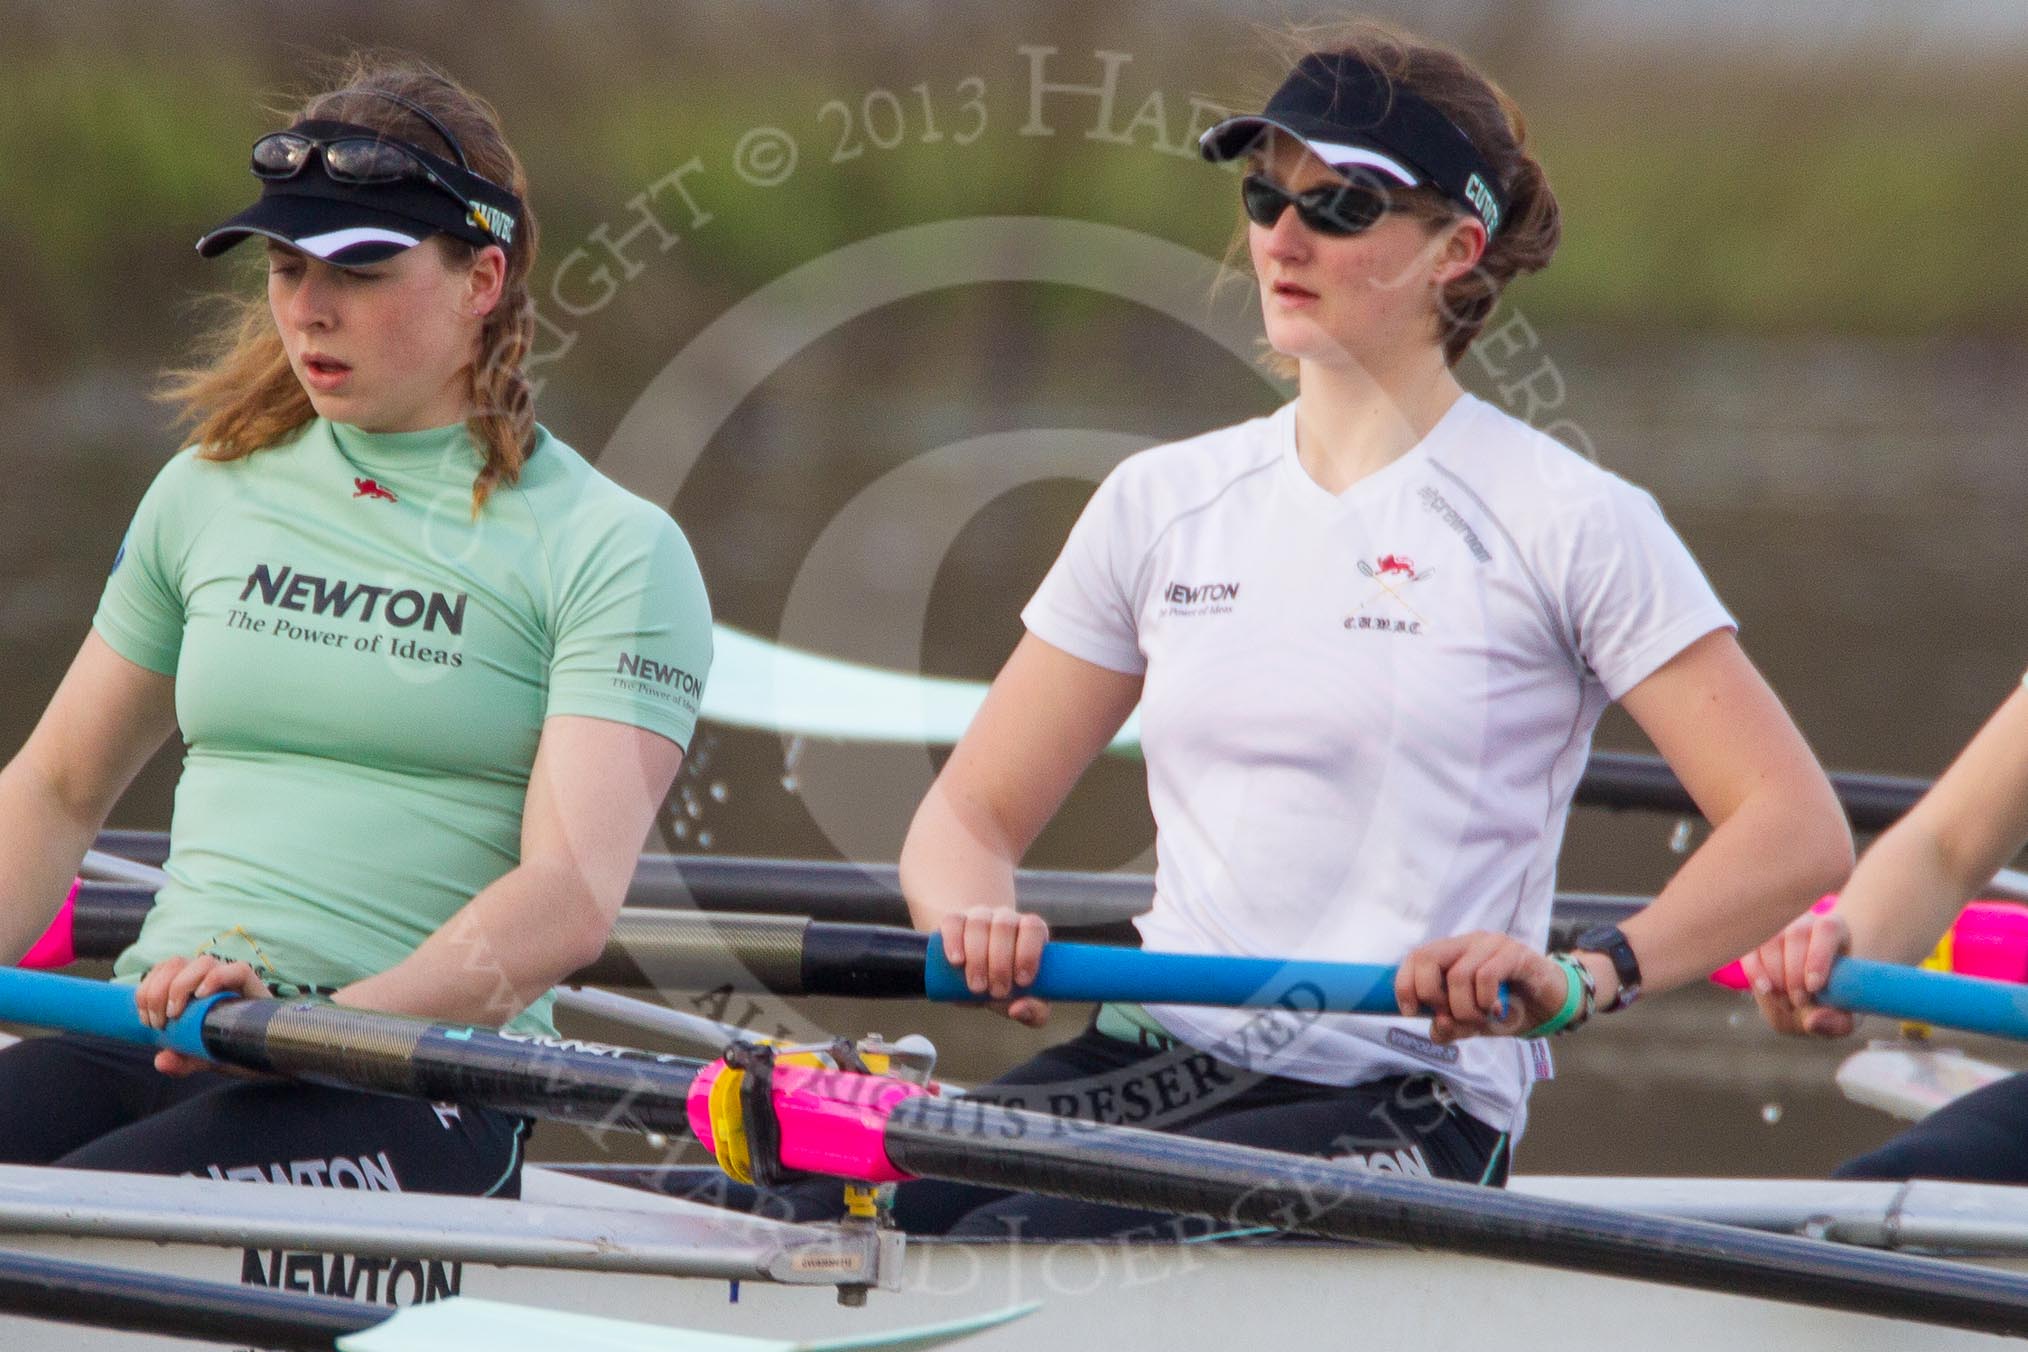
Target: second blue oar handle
(1971, 1003)
(1096, 973)
(99, 1009)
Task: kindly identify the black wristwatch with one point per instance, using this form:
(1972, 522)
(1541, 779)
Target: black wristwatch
(1608, 940)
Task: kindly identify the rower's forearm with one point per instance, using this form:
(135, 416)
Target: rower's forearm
(1903, 896)
(1760, 869)
(42, 841)
(949, 864)
(500, 953)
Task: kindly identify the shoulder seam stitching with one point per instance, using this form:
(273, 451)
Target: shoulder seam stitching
(1148, 554)
(183, 557)
(1550, 611)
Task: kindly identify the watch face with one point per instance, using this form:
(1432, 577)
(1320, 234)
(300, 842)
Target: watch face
(1608, 940)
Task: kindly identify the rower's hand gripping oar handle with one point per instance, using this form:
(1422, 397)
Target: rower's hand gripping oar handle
(100, 1009)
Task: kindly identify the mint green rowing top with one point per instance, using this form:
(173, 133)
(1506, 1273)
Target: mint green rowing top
(362, 673)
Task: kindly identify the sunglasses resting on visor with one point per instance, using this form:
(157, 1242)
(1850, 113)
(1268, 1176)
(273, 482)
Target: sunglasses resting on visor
(358, 160)
(1337, 209)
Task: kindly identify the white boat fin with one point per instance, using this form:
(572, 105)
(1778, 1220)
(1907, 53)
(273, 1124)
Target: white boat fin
(462, 1323)
(1912, 1079)
(758, 684)
(2009, 882)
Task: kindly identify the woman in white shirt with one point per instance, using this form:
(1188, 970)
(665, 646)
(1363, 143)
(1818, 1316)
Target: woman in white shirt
(1370, 636)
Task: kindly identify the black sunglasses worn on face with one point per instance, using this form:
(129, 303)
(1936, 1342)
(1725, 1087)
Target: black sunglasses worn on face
(1337, 209)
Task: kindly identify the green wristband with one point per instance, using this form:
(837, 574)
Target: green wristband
(1576, 1002)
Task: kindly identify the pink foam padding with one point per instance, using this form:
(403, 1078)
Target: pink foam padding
(54, 948)
(832, 1122)
(1991, 940)
(1734, 976)
(836, 1123)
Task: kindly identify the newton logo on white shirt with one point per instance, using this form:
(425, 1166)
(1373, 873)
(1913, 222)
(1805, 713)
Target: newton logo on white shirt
(1200, 598)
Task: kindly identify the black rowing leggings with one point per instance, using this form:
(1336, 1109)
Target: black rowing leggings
(1405, 1124)
(88, 1103)
(1980, 1138)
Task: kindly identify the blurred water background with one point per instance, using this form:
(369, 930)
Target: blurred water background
(1789, 301)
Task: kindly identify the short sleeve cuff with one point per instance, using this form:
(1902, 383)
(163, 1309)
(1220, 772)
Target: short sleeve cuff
(136, 648)
(675, 724)
(1630, 670)
(1058, 632)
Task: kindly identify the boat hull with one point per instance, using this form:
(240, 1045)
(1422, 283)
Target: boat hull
(1139, 1296)
(612, 1251)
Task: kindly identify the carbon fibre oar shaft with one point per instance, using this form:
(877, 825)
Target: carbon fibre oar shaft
(35, 1287)
(970, 1141)
(823, 889)
(562, 1079)
(566, 1080)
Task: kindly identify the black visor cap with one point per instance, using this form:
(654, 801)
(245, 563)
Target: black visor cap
(1354, 118)
(354, 224)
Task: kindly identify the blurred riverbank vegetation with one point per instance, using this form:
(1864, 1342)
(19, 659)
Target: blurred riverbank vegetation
(1871, 193)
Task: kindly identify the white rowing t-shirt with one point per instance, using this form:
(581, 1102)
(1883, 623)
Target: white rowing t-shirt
(1365, 714)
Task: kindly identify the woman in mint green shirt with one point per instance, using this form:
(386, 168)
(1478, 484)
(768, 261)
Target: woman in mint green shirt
(434, 671)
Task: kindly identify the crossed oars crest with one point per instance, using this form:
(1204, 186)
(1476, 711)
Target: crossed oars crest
(1396, 566)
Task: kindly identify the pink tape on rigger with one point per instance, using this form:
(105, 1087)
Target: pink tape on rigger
(56, 947)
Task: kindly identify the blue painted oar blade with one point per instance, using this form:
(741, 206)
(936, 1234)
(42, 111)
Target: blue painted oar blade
(1096, 972)
(97, 1008)
(1972, 1004)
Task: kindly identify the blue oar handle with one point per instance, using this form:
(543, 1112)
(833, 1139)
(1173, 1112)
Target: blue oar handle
(99, 1009)
(1098, 973)
(1971, 1003)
